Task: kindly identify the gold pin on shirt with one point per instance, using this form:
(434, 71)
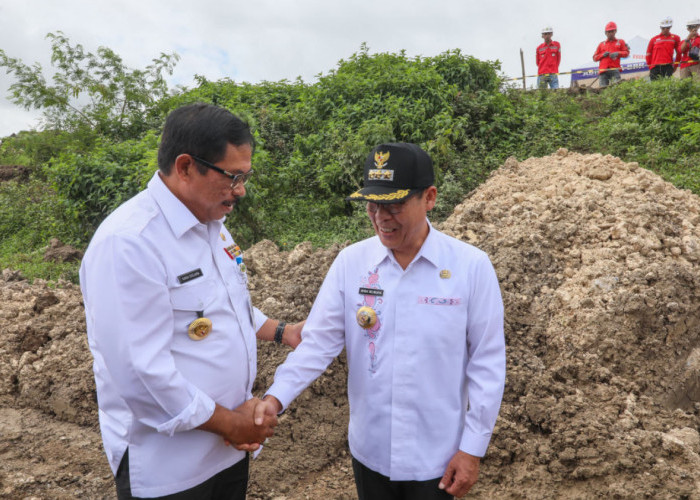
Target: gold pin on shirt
(366, 317)
(445, 274)
(199, 328)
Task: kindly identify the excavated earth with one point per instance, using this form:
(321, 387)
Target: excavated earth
(599, 265)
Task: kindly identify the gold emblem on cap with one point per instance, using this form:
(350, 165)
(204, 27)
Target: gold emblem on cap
(445, 274)
(199, 328)
(380, 158)
(366, 317)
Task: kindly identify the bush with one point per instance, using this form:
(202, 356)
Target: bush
(312, 140)
(90, 186)
(29, 217)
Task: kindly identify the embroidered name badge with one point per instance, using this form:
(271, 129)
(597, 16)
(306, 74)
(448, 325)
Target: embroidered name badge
(189, 276)
(440, 301)
(372, 291)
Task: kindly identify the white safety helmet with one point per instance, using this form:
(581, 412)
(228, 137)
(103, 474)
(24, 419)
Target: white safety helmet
(666, 22)
(547, 29)
(693, 22)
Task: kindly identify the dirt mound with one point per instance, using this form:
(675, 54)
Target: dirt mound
(599, 266)
(19, 172)
(58, 252)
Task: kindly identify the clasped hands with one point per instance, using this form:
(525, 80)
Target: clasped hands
(258, 420)
(246, 426)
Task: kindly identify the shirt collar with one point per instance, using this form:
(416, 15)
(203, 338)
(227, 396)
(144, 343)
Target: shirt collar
(179, 217)
(430, 250)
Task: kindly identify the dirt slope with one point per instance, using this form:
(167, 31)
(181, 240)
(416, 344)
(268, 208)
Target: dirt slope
(599, 265)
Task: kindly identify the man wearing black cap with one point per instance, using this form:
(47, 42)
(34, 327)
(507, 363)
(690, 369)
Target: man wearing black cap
(421, 318)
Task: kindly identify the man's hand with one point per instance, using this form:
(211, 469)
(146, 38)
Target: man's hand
(292, 334)
(268, 407)
(254, 431)
(238, 427)
(605, 54)
(614, 55)
(461, 474)
(263, 411)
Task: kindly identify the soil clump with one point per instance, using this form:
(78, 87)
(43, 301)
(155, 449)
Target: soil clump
(18, 172)
(599, 266)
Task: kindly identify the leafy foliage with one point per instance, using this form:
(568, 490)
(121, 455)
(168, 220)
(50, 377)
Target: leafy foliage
(90, 186)
(312, 138)
(30, 216)
(90, 92)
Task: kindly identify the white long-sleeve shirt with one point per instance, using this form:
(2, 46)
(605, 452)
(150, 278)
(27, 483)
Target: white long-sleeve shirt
(428, 378)
(149, 271)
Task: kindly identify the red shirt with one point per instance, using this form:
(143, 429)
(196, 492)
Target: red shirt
(548, 57)
(660, 50)
(685, 58)
(615, 45)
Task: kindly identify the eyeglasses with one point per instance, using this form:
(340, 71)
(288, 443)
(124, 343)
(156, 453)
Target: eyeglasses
(236, 179)
(392, 208)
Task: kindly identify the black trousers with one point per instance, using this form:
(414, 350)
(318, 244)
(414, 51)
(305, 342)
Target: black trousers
(374, 486)
(661, 71)
(229, 484)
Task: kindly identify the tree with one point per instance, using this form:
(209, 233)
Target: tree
(90, 91)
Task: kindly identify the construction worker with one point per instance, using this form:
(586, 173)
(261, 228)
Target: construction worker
(690, 67)
(608, 54)
(660, 51)
(547, 57)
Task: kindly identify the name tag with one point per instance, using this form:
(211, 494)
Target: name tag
(440, 301)
(189, 276)
(372, 291)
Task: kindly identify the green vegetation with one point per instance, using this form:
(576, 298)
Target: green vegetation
(312, 139)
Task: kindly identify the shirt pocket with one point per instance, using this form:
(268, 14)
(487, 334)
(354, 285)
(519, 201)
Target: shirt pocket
(192, 297)
(445, 321)
(189, 300)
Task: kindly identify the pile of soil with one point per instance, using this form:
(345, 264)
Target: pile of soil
(18, 172)
(599, 265)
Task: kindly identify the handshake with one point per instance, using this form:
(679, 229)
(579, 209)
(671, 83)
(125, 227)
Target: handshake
(247, 426)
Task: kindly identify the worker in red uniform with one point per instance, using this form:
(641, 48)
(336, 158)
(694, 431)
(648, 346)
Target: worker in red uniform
(660, 51)
(548, 57)
(690, 65)
(608, 54)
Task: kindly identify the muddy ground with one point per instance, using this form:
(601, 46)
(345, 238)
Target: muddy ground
(599, 265)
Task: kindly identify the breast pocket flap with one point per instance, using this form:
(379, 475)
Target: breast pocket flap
(196, 297)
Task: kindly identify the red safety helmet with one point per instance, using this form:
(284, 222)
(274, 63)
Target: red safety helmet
(610, 26)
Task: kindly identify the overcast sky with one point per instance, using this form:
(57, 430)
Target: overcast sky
(274, 40)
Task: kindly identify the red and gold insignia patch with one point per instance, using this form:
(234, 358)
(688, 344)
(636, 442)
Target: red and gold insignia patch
(381, 158)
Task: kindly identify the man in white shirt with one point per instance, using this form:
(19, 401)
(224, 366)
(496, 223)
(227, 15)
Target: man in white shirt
(170, 322)
(421, 318)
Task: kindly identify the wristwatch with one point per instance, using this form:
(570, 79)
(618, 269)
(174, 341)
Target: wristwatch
(279, 331)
